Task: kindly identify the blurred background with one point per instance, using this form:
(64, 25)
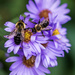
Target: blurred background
(10, 10)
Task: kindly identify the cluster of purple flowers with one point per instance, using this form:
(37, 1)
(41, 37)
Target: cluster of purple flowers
(37, 52)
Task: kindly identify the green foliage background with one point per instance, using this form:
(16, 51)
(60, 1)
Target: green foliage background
(10, 10)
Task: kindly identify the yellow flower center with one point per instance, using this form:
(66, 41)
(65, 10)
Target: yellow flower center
(30, 62)
(27, 36)
(55, 32)
(44, 13)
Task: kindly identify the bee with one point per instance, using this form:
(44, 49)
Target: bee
(41, 26)
(18, 32)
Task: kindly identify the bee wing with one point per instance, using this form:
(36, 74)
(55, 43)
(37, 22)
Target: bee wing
(22, 34)
(47, 28)
(11, 35)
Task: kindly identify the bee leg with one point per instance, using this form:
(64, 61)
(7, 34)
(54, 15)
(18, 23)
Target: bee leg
(33, 22)
(39, 21)
(42, 34)
(25, 24)
(27, 28)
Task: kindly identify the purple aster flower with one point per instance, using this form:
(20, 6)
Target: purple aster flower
(49, 55)
(10, 43)
(58, 35)
(42, 8)
(22, 66)
(31, 42)
(12, 46)
(55, 45)
(34, 45)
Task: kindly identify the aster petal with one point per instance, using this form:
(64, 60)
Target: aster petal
(31, 9)
(37, 47)
(41, 46)
(14, 65)
(63, 31)
(47, 4)
(27, 19)
(21, 17)
(39, 72)
(53, 63)
(31, 15)
(24, 71)
(33, 38)
(25, 52)
(12, 59)
(35, 73)
(50, 2)
(51, 54)
(44, 69)
(34, 48)
(37, 61)
(63, 6)
(10, 49)
(31, 72)
(20, 72)
(63, 11)
(68, 44)
(37, 1)
(28, 51)
(56, 45)
(10, 24)
(32, 6)
(47, 58)
(26, 45)
(42, 39)
(55, 5)
(27, 71)
(58, 36)
(8, 29)
(45, 63)
(15, 71)
(44, 4)
(8, 43)
(64, 19)
(64, 39)
(16, 48)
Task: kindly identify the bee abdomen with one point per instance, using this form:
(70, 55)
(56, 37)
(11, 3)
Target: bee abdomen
(44, 25)
(17, 39)
(34, 30)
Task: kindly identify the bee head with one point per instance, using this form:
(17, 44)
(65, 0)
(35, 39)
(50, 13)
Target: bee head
(20, 24)
(38, 27)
